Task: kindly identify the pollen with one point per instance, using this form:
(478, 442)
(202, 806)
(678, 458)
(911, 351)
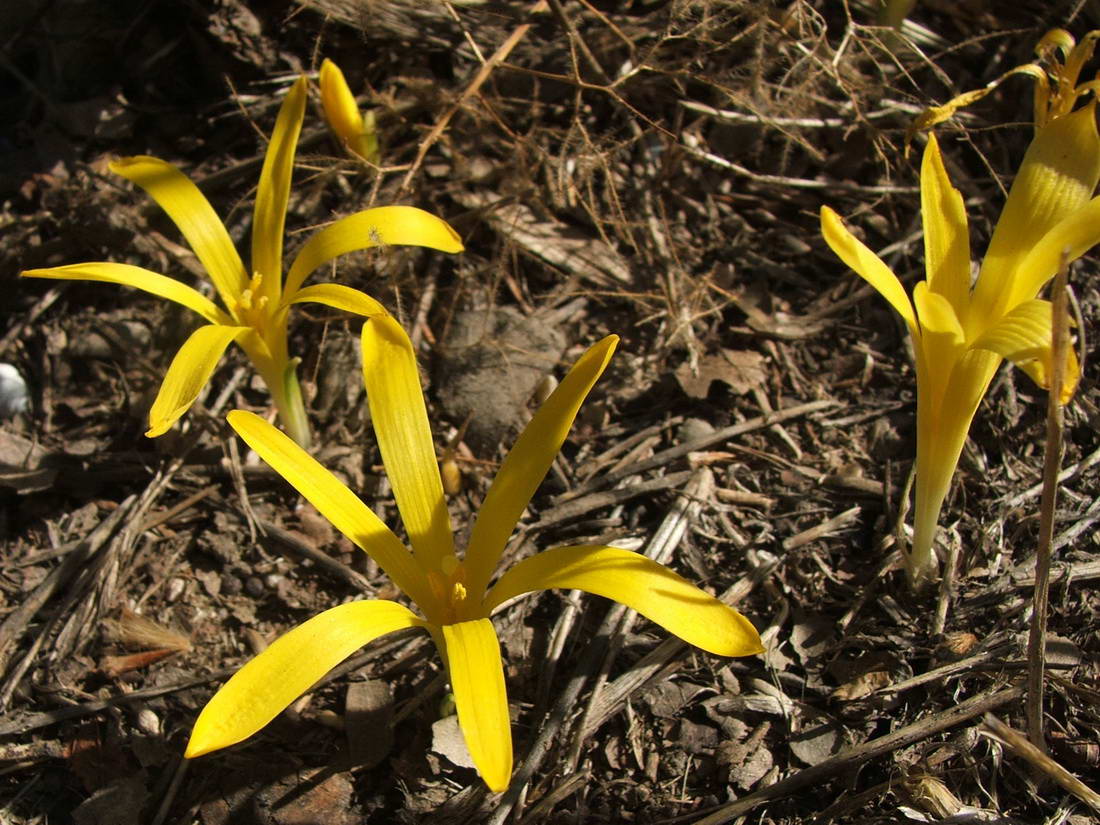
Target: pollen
(458, 593)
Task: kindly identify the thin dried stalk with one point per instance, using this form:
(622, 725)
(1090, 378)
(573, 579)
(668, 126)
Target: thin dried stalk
(1036, 647)
(1019, 745)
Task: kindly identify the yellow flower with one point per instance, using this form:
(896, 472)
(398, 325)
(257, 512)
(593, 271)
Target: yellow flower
(453, 594)
(256, 306)
(961, 334)
(342, 113)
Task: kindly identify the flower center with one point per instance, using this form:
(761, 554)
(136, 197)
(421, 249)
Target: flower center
(448, 584)
(250, 307)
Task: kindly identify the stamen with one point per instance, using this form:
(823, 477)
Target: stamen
(250, 307)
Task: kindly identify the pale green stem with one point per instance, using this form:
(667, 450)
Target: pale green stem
(280, 373)
(287, 394)
(921, 563)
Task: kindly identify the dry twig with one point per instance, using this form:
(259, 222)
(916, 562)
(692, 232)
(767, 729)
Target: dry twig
(1038, 759)
(1036, 643)
(853, 757)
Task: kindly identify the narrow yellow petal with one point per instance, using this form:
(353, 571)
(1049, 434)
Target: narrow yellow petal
(341, 110)
(334, 501)
(1038, 370)
(936, 313)
(1023, 336)
(294, 662)
(188, 373)
(867, 265)
(473, 660)
(939, 347)
(134, 276)
(383, 226)
(191, 212)
(1073, 237)
(274, 190)
(342, 297)
(400, 422)
(527, 464)
(1056, 180)
(640, 583)
(946, 235)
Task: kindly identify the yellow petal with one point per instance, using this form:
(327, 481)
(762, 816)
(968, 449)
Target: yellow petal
(940, 345)
(527, 463)
(477, 679)
(273, 191)
(294, 662)
(946, 235)
(640, 583)
(188, 373)
(342, 297)
(1038, 370)
(867, 265)
(341, 110)
(333, 500)
(400, 422)
(936, 313)
(384, 226)
(191, 212)
(138, 278)
(1056, 180)
(1072, 237)
(1023, 336)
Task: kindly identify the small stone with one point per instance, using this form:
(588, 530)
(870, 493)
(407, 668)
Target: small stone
(13, 392)
(693, 429)
(254, 586)
(148, 722)
(175, 589)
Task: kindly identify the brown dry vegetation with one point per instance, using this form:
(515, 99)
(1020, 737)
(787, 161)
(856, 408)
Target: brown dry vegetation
(649, 168)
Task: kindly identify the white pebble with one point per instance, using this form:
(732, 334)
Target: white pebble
(175, 589)
(148, 722)
(13, 392)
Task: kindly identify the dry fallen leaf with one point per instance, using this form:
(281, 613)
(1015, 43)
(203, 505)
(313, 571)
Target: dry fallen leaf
(861, 686)
(114, 666)
(957, 643)
(742, 370)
